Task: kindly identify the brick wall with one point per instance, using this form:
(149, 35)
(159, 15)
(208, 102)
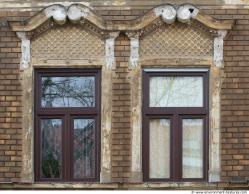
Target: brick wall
(121, 103)
(234, 105)
(235, 99)
(10, 106)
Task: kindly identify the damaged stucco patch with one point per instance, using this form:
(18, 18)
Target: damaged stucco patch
(218, 47)
(27, 174)
(216, 81)
(25, 47)
(136, 104)
(106, 115)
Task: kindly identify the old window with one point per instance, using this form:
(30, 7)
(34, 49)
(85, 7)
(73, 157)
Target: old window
(175, 125)
(67, 125)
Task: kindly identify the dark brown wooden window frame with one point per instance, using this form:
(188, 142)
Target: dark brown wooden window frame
(67, 114)
(175, 115)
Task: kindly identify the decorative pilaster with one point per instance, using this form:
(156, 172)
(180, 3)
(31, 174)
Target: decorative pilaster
(134, 48)
(25, 47)
(218, 48)
(109, 49)
(215, 138)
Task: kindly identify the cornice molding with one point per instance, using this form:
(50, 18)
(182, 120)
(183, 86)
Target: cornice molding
(75, 13)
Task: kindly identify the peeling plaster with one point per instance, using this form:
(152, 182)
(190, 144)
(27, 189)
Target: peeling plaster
(134, 48)
(134, 55)
(57, 12)
(136, 127)
(75, 13)
(109, 49)
(167, 12)
(186, 12)
(215, 127)
(218, 47)
(25, 47)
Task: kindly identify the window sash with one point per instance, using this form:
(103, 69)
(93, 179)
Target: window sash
(67, 114)
(175, 114)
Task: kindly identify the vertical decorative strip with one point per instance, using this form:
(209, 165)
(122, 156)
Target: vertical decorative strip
(215, 126)
(25, 47)
(109, 49)
(218, 48)
(134, 48)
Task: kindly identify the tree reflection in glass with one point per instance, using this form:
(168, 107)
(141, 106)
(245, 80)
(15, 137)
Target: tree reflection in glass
(83, 154)
(176, 92)
(68, 92)
(51, 133)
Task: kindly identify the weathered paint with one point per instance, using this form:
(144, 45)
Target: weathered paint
(28, 113)
(27, 81)
(136, 119)
(218, 48)
(109, 49)
(25, 47)
(214, 120)
(168, 13)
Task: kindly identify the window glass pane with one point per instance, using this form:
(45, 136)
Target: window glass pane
(192, 151)
(159, 148)
(176, 92)
(51, 146)
(68, 92)
(84, 148)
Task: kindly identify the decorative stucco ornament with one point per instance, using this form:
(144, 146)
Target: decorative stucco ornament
(167, 12)
(134, 48)
(75, 13)
(134, 52)
(57, 12)
(218, 48)
(25, 47)
(109, 49)
(186, 12)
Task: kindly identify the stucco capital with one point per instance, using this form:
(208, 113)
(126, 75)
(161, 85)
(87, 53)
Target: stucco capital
(109, 49)
(218, 47)
(25, 47)
(134, 48)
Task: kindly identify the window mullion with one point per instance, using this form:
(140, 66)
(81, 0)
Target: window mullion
(175, 148)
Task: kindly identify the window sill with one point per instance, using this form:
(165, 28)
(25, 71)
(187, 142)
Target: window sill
(120, 186)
